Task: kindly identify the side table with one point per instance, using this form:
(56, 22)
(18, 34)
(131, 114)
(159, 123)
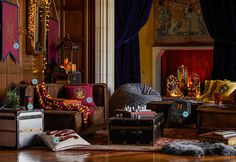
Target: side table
(19, 127)
(214, 117)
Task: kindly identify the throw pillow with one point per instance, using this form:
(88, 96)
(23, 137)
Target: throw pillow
(209, 87)
(62, 139)
(84, 93)
(227, 90)
(225, 87)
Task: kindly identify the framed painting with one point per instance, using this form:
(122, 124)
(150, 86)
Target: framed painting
(9, 31)
(179, 23)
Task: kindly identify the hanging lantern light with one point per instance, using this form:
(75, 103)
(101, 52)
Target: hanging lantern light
(68, 54)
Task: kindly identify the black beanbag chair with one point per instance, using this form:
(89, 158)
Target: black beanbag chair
(132, 94)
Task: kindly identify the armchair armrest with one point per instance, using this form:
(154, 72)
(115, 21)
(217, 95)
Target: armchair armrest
(101, 96)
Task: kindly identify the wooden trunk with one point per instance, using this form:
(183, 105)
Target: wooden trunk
(214, 118)
(142, 131)
(19, 128)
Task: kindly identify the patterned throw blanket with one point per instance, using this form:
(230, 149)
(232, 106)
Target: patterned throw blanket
(48, 102)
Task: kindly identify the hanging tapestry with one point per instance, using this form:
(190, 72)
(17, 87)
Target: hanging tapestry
(9, 32)
(179, 23)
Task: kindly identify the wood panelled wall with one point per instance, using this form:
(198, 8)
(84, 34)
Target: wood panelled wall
(73, 23)
(73, 15)
(11, 71)
(78, 20)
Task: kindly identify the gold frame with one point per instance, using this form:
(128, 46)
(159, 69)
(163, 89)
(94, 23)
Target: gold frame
(37, 26)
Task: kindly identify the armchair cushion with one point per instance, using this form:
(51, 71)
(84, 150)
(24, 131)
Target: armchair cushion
(83, 93)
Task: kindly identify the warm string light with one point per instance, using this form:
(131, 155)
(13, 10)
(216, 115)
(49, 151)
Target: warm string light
(34, 67)
(31, 21)
(44, 21)
(44, 15)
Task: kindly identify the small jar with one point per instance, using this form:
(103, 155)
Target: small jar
(28, 103)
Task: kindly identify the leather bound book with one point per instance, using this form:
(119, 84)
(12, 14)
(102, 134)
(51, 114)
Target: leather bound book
(211, 137)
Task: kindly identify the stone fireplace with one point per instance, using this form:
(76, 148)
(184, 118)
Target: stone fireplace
(159, 74)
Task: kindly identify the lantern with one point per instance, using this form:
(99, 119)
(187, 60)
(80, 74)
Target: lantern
(69, 54)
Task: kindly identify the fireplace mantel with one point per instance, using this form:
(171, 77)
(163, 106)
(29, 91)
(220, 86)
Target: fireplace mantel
(157, 52)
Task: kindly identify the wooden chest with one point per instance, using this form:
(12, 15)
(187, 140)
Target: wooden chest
(142, 131)
(216, 117)
(18, 128)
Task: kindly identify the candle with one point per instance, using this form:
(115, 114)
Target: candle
(73, 67)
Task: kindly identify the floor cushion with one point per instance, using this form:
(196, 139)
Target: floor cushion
(132, 94)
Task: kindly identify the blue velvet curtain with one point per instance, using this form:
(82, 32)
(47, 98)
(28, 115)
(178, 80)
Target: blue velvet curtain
(130, 16)
(220, 20)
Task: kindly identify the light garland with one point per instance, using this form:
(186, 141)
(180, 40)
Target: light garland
(43, 12)
(32, 20)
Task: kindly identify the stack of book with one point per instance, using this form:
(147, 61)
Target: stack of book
(138, 114)
(220, 136)
(143, 114)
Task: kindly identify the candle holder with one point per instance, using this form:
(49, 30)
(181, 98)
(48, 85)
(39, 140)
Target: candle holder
(173, 87)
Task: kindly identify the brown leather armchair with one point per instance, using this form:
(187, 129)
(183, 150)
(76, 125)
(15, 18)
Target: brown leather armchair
(57, 120)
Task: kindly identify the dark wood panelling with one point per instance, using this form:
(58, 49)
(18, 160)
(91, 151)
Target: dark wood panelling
(74, 5)
(74, 24)
(91, 41)
(73, 15)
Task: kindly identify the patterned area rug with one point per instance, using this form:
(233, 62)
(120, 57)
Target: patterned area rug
(99, 141)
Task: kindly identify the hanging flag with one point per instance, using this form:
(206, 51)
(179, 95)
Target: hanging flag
(9, 31)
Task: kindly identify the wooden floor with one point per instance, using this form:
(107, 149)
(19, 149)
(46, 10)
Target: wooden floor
(44, 155)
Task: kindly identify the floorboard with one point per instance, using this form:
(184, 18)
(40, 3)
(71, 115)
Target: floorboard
(45, 155)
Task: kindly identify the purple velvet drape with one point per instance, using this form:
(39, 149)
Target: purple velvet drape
(220, 20)
(130, 16)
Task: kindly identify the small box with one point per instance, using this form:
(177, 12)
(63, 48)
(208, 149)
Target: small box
(19, 128)
(143, 131)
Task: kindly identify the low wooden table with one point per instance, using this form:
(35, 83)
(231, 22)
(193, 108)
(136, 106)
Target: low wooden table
(143, 131)
(214, 117)
(163, 107)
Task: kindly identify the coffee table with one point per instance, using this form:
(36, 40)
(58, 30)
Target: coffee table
(143, 131)
(214, 117)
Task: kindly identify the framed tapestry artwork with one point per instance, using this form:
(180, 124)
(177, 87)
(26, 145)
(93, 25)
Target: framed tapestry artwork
(179, 22)
(9, 32)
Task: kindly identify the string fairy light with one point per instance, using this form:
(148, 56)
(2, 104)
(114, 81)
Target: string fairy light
(43, 13)
(31, 21)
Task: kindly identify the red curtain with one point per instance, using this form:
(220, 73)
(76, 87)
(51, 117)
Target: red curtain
(198, 61)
